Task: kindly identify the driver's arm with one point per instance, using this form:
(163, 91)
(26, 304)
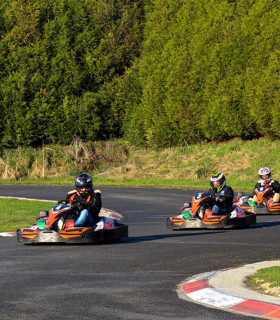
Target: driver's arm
(95, 204)
(275, 186)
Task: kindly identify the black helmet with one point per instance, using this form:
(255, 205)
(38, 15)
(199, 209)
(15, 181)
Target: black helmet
(218, 177)
(83, 180)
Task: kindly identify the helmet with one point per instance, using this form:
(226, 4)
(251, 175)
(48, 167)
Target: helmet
(83, 180)
(218, 177)
(263, 172)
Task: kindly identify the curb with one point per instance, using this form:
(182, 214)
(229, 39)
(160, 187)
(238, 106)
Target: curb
(7, 234)
(199, 290)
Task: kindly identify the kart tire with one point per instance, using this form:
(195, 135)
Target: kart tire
(43, 213)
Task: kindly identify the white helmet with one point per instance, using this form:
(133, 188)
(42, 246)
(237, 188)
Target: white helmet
(263, 172)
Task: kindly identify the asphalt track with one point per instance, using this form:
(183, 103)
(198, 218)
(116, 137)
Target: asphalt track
(134, 279)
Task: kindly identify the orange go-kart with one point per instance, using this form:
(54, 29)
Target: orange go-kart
(263, 205)
(198, 214)
(57, 226)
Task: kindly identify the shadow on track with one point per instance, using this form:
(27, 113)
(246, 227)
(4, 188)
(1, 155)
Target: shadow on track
(128, 239)
(265, 224)
(164, 236)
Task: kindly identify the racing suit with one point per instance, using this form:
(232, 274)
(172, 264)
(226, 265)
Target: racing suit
(272, 184)
(88, 207)
(222, 200)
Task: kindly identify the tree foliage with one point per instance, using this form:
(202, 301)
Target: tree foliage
(208, 71)
(60, 65)
(157, 72)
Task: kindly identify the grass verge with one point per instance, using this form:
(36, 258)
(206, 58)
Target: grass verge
(195, 184)
(116, 163)
(266, 281)
(17, 214)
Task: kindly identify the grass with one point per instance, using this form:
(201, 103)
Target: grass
(20, 213)
(116, 163)
(266, 281)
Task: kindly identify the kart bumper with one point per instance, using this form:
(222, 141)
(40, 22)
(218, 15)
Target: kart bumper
(262, 209)
(216, 222)
(74, 235)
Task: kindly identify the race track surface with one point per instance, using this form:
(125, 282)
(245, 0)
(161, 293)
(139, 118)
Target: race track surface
(134, 279)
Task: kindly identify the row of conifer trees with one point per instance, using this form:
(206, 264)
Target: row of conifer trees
(156, 72)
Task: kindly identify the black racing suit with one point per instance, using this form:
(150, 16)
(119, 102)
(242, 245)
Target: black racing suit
(92, 202)
(222, 199)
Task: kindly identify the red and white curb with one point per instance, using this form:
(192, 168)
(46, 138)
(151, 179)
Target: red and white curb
(7, 234)
(200, 291)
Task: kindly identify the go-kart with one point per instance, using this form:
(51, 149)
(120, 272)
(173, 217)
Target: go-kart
(263, 205)
(57, 225)
(198, 214)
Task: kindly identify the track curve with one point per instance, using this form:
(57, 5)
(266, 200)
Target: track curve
(134, 279)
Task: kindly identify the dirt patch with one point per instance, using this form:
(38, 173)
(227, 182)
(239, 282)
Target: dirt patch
(268, 288)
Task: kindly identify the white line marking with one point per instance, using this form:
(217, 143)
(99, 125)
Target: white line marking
(19, 198)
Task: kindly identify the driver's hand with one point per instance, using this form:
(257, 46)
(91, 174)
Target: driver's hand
(219, 199)
(80, 206)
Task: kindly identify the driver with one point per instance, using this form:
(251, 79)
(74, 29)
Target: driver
(222, 194)
(87, 200)
(266, 182)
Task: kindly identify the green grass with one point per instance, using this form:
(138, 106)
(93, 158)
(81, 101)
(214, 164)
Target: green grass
(20, 213)
(115, 163)
(180, 183)
(266, 281)
(59, 181)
